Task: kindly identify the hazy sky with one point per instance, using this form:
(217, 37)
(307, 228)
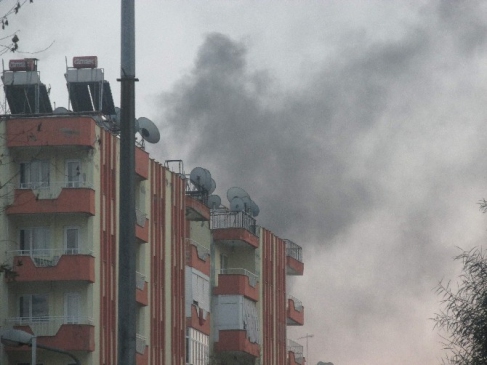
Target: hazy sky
(357, 126)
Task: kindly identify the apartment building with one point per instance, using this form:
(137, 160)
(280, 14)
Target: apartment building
(211, 283)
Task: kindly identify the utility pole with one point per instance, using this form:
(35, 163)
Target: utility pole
(307, 349)
(126, 254)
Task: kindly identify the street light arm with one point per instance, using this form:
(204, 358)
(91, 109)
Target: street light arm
(60, 351)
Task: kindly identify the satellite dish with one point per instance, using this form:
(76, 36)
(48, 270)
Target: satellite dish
(254, 208)
(237, 205)
(214, 201)
(207, 185)
(148, 130)
(236, 192)
(247, 201)
(200, 177)
(61, 110)
(213, 187)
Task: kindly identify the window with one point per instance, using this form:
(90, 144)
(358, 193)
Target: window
(223, 261)
(71, 307)
(34, 174)
(73, 174)
(71, 240)
(35, 241)
(34, 307)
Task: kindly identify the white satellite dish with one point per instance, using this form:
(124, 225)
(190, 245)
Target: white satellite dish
(200, 177)
(236, 192)
(247, 201)
(208, 185)
(148, 130)
(61, 110)
(214, 201)
(213, 187)
(237, 205)
(254, 208)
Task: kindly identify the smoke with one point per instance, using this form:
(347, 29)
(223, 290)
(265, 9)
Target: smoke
(374, 165)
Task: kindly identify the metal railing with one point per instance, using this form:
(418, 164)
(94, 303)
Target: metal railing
(297, 349)
(253, 279)
(47, 257)
(139, 280)
(52, 189)
(140, 343)
(298, 305)
(227, 219)
(140, 217)
(47, 325)
(203, 252)
(294, 250)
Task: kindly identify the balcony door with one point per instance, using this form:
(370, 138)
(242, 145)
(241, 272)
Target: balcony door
(35, 241)
(71, 308)
(73, 173)
(71, 240)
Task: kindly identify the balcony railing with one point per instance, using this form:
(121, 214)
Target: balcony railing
(140, 343)
(298, 305)
(253, 279)
(140, 217)
(293, 250)
(203, 252)
(47, 257)
(52, 189)
(139, 280)
(221, 219)
(47, 325)
(295, 348)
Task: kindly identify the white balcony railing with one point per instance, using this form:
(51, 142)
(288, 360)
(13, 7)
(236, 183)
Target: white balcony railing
(203, 252)
(297, 349)
(253, 279)
(139, 280)
(294, 250)
(140, 343)
(47, 325)
(52, 189)
(47, 257)
(298, 305)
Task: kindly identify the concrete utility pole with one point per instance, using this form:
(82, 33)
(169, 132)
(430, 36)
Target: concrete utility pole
(126, 270)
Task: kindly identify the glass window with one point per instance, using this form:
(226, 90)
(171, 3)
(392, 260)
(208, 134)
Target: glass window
(73, 174)
(71, 240)
(34, 174)
(35, 241)
(34, 307)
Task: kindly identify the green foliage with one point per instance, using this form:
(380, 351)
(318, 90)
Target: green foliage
(464, 312)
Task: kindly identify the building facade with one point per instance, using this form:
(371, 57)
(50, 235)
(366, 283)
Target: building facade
(211, 283)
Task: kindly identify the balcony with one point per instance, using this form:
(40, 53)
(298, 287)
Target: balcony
(142, 294)
(200, 320)
(236, 228)
(295, 353)
(51, 265)
(142, 226)
(196, 210)
(294, 258)
(51, 198)
(51, 131)
(295, 312)
(141, 163)
(236, 341)
(197, 256)
(67, 333)
(237, 282)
